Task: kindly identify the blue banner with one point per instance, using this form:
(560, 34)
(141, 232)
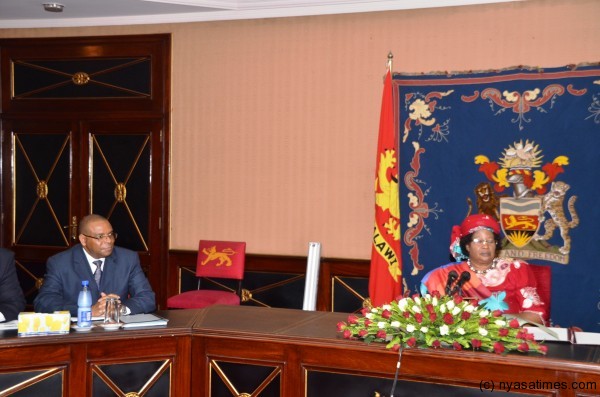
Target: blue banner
(522, 145)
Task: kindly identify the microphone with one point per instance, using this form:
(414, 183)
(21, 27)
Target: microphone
(464, 277)
(452, 275)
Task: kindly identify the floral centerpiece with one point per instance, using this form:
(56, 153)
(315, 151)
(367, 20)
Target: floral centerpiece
(436, 321)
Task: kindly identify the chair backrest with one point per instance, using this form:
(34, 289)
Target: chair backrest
(543, 278)
(221, 259)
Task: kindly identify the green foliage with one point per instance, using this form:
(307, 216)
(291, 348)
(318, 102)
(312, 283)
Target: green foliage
(434, 321)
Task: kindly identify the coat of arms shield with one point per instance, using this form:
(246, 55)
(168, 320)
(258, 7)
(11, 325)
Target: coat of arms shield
(520, 218)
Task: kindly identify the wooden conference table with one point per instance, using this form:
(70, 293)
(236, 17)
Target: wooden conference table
(255, 351)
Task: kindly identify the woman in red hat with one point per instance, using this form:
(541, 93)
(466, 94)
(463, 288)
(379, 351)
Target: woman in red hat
(504, 284)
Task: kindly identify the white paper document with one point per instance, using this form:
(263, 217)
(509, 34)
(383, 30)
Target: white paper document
(550, 333)
(587, 338)
(143, 320)
(94, 318)
(9, 325)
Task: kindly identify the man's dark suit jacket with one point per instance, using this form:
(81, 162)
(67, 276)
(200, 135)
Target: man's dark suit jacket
(12, 301)
(121, 275)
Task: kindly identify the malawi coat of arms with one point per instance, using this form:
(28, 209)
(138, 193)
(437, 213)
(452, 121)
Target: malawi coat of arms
(535, 210)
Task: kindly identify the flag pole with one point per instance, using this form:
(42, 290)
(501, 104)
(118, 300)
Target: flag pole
(390, 57)
(385, 283)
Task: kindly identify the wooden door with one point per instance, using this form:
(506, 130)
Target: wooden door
(84, 130)
(61, 171)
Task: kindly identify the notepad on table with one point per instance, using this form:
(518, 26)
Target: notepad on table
(587, 338)
(143, 320)
(550, 334)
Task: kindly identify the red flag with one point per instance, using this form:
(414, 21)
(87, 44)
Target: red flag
(385, 282)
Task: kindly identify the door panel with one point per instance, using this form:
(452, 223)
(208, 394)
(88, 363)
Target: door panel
(41, 168)
(39, 157)
(123, 157)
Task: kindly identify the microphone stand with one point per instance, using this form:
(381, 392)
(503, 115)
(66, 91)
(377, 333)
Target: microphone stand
(464, 277)
(397, 370)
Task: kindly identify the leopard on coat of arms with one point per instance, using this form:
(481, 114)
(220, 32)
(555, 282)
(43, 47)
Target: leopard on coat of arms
(223, 257)
(487, 202)
(552, 203)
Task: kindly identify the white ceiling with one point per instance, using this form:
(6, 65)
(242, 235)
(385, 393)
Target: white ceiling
(31, 14)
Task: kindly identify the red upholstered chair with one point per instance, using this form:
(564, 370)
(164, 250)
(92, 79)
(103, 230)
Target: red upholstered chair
(216, 260)
(543, 277)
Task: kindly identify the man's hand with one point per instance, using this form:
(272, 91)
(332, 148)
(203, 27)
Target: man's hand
(100, 307)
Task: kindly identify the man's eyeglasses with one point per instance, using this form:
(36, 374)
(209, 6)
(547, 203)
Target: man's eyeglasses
(112, 236)
(481, 241)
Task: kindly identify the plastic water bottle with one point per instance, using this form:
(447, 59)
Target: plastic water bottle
(84, 306)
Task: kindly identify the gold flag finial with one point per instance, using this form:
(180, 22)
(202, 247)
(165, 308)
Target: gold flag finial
(389, 60)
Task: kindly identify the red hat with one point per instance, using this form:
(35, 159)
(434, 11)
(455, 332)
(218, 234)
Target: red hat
(471, 224)
(475, 222)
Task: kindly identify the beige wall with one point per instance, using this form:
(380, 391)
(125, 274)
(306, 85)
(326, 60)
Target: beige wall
(274, 121)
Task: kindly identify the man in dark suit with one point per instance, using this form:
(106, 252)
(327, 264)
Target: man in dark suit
(12, 301)
(117, 269)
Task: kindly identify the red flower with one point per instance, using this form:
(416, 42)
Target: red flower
(352, 319)
(544, 349)
(498, 348)
(520, 335)
(347, 334)
(381, 334)
(363, 332)
(415, 296)
(476, 343)
(436, 343)
(503, 331)
(429, 308)
(484, 321)
(432, 317)
(364, 311)
(412, 342)
(386, 314)
(465, 315)
(436, 294)
(497, 313)
(419, 317)
(457, 299)
(368, 322)
(448, 319)
(529, 336)
(514, 323)
(406, 314)
(523, 347)
(396, 347)
(341, 326)
(456, 345)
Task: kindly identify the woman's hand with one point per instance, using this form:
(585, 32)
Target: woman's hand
(531, 318)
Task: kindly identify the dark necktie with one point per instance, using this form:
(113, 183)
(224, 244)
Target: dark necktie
(98, 272)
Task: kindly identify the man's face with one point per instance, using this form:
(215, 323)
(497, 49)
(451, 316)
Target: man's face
(98, 247)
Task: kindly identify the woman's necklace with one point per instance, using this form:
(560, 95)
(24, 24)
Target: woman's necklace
(477, 271)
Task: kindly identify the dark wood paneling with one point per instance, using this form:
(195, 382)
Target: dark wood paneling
(154, 47)
(293, 344)
(128, 93)
(276, 264)
(307, 341)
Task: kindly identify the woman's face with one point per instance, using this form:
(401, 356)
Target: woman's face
(482, 248)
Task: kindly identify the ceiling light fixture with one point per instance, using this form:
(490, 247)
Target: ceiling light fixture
(53, 7)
